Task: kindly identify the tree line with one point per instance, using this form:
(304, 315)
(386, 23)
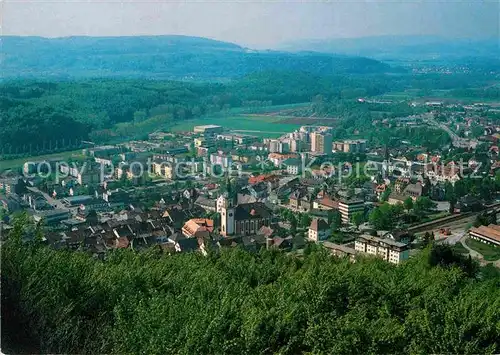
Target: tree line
(234, 301)
(43, 116)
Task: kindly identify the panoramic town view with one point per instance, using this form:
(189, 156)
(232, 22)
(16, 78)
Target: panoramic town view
(250, 178)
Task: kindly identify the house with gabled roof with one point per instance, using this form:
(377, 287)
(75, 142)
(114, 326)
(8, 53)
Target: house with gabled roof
(318, 230)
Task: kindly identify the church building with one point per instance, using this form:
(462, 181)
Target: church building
(242, 219)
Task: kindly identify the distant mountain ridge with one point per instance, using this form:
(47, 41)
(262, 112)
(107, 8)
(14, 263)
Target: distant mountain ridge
(170, 57)
(401, 47)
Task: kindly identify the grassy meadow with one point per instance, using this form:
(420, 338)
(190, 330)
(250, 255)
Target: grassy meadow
(263, 126)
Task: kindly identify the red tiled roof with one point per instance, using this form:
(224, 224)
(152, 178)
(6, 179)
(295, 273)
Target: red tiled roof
(318, 224)
(326, 201)
(261, 178)
(282, 156)
(122, 243)
(197, 225)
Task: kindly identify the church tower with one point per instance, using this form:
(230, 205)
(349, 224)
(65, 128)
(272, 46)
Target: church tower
(228, 209)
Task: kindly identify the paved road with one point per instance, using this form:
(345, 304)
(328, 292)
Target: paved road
(54, 202)
(457, 141)
(460, 237)
(472, 253)
(454, 238)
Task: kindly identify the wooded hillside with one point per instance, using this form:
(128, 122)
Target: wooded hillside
(240, 303)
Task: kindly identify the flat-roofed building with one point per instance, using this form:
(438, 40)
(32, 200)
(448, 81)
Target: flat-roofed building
(321, 143)
(340, 250)
(348, 207)
(297, 145)
(221, 159)
(208, 129)
(204, 142)
(164, 169)
(12, 186)
(238, 138)
(486, 234)
(77, 200)
(385, 248)
(52, 216)
(350, 146)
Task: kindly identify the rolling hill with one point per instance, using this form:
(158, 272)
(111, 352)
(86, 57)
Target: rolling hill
(402, 47)
(162, 57)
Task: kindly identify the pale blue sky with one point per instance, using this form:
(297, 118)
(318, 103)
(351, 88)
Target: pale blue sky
(257, 24)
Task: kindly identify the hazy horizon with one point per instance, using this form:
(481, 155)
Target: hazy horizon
(250, 24)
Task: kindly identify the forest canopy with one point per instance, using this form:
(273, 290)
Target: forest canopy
(40, 117)
(243, 303)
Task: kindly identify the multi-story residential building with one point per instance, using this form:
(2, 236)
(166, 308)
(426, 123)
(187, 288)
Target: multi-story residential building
(85, 174)
(403, 190)
(164, 169)
(387, 249)
(10, 203)
(297, 145)
(442, 173)
(293, 166)
(348, 207)
(301, 200)
(134, 172)
(325, 203)
(284, 147)
(238, 138)
(318, 230)
(274, 146)
(106, 161)
(44, 166)
(321, 143)
(12, 186)
(204, 142)
(350, 146)
(224, 160)
(208, 129)
(88, 177)
(105, 150)
(277, 158)
(340, 250)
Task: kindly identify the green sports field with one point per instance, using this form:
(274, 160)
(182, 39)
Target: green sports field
(18, 163)
(263, 126)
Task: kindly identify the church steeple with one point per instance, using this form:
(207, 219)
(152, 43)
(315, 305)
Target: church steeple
(230, 194)
(229, 202)
(228, 185)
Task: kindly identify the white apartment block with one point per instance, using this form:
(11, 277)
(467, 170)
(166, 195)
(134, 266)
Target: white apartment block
(387, 249)
(348, 208)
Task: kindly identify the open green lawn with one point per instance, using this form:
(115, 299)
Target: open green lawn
(489, 252)
(264, 126)
(18, 163)
(459, 248)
